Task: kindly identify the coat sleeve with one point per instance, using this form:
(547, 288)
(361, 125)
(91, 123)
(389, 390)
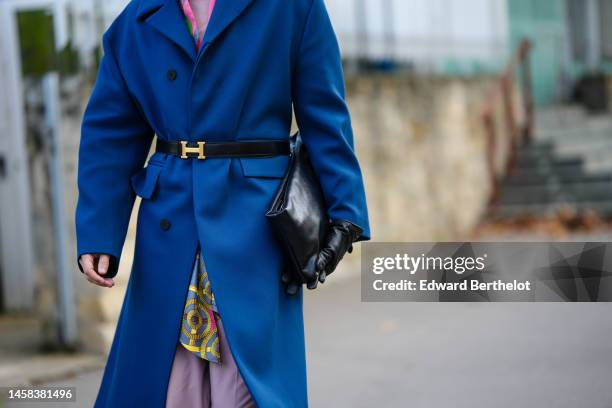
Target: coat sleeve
(324, 121)
(115, 140)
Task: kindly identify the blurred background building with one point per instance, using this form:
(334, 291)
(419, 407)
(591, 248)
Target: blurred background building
(468, 116)
(455, 37)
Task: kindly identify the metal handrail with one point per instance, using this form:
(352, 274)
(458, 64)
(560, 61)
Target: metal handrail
(516, 134)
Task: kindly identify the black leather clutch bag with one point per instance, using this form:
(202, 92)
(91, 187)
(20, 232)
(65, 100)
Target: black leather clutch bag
(298, 214)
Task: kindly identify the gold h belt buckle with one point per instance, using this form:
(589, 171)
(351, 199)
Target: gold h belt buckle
(185, 150)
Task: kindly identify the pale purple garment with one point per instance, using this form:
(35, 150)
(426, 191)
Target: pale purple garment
(195, 382)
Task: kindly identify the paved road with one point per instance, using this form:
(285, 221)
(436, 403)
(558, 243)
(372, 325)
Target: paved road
(448, 355)
(457, 355)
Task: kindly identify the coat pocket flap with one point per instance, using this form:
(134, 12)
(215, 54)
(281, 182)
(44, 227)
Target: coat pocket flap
(273, 167)
(145, 181)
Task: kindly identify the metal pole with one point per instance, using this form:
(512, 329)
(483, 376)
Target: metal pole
(593, 29)
(15, 208)
(66, 299)
(389, 27)
(99, 18)
(361, 29)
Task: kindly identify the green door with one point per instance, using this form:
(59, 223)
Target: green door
(543, 22)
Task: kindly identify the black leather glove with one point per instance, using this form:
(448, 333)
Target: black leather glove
(339, 241)
(292, 283)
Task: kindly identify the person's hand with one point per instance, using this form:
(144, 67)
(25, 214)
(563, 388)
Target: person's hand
(95, 266)
(339, 241)
(291, 282)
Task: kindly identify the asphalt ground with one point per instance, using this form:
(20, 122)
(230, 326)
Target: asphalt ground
(443, 354)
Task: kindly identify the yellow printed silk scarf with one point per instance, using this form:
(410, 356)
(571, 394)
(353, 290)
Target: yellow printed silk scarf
(199, 332)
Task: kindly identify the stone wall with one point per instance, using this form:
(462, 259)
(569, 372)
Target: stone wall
(421, 145)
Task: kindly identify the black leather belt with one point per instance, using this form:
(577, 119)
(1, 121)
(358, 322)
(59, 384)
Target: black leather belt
(205, 150)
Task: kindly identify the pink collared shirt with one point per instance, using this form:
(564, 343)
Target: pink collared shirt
(197, 13)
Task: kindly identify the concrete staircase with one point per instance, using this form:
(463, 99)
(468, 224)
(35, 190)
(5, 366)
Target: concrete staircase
(568, 165)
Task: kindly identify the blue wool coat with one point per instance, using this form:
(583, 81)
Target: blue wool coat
(259, 57)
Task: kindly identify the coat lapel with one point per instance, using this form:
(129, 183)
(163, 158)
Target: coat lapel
(167, 18)
(224, 13)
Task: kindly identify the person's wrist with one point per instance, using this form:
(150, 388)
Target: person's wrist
(339, 241)
(352, 231)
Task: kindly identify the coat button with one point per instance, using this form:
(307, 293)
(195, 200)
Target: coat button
(171, 75)
(164, 224)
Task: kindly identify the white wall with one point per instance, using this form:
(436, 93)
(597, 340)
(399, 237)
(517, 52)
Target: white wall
(425, 31)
